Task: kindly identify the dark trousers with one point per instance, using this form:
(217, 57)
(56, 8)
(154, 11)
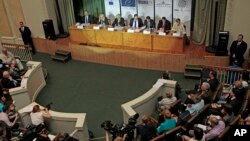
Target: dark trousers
(30, 43)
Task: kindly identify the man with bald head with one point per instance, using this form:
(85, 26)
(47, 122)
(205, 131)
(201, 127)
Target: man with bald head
(8, 82)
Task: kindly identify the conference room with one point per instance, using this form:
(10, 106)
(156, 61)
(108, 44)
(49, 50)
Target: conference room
(90, 62)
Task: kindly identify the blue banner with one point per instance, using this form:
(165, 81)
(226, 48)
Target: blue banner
(128, 3)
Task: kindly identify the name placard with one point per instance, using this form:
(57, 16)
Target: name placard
(111, 29)
(96, 28)
(146, 32)
(177, 34)
(162, 33)
(79, 27)
(131, 31)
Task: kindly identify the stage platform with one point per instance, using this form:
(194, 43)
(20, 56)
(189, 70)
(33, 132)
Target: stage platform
(193, 55)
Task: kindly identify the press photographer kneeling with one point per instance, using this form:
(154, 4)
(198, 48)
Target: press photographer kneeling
(123, 132)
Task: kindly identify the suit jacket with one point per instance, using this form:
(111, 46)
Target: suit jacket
(140, 23)
(7, 83)
(90, 19)
(121, 22)
(239, 51)
(106, 22)
(152, 23)
(166, 26)
(26, 34)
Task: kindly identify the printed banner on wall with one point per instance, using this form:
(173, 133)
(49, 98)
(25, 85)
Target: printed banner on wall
(182, 10)
(128, 8)
(146, 8)
(163, 8)
(112, 8)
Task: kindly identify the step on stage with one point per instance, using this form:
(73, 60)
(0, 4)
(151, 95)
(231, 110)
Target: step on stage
(192, 55)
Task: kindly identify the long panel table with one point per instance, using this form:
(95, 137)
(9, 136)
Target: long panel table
(125, 40)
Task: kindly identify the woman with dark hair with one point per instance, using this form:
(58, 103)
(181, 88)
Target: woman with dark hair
(198, 135)
(37, 116)
(147, 129)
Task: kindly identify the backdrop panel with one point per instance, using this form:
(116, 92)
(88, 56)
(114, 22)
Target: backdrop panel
(146, 8)
(163, 8)
(128, 8)
(182, 10)
(112, 8)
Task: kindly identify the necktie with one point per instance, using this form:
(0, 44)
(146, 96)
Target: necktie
(86, 19)
(135, 24)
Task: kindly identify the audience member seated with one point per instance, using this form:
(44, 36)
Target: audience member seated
(11, 112)
(4, 117)
(8, 58)
(231, 99)
(191, 110)
(214, 129)
(244, 78)
(14, 72)
(198, 135)
(3, 134)
(119, 21)
(37, 115)
(166, 102)
(204, 92)
(135, 22)
(103, 20)
(8, 82)
(178, 27)
(149, 23)
(168, 124)
(147, 129)
(164, 25)
(242, 91)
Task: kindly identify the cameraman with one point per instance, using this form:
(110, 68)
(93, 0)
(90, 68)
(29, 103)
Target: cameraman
(118, 138)
(37, 115)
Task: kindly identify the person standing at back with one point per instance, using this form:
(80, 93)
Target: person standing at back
(237, 51)
(26, 36)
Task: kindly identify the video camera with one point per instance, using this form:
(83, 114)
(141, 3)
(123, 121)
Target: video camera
(120, 130)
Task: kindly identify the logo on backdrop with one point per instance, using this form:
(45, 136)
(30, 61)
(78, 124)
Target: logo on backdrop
(128, 3)
(145, 2)
(111, 2)
(163, 3)
(182, 3)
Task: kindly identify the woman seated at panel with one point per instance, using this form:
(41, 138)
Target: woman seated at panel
(119, 21)
(103, 20)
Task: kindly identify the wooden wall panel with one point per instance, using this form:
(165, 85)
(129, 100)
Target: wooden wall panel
(130, 58)
(5, 28)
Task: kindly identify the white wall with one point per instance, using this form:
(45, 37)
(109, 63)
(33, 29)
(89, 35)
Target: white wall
(237, 20)
(35, 12)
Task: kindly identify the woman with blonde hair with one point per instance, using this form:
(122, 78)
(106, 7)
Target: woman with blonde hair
(103, 20)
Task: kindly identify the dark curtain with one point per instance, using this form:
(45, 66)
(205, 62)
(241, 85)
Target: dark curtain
(94, 7)
(78, 6)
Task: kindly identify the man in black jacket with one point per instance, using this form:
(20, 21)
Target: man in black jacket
(237, 51)
(26, 36)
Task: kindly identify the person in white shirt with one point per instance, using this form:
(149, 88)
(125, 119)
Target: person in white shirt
(8, 58)
(37, 115)
(178, 27)
(167, 101)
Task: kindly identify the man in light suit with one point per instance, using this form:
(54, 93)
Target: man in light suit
(87, 19)
(26, 36)
(149, 23)
(237, 51)
(136, 22)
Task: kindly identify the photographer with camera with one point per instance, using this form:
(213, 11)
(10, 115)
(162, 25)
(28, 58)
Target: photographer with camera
(123, 132)
(37, 115)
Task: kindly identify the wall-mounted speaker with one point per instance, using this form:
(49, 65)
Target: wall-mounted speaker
(48, 28)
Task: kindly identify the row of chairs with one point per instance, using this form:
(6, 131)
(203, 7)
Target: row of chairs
(198, 118)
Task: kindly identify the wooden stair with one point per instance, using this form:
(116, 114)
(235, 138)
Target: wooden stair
(193, 71)
(61, 56)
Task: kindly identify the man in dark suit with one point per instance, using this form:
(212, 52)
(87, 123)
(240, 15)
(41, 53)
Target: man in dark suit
(237, 51)
(119, 21)
(164, 25)
(149, 23)
(26, 36)
(136, 22)
(87, 19)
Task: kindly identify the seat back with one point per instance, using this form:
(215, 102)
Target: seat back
(170, 135)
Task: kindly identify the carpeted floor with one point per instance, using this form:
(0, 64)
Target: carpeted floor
(96, 89)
